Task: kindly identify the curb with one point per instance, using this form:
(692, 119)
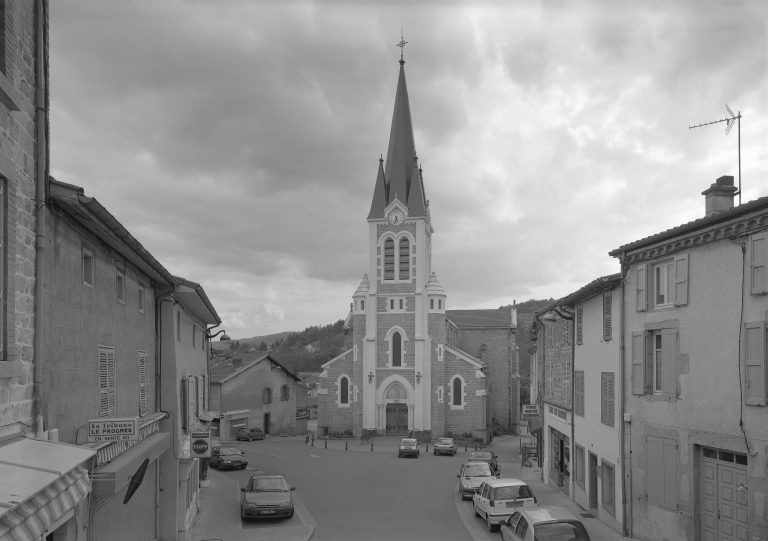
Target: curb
(468, 519)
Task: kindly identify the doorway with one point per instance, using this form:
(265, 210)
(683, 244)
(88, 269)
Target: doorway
(397, 419)
(593, 483)
(266, 424)
(724, 491)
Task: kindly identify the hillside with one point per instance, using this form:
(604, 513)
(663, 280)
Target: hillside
(267, 338)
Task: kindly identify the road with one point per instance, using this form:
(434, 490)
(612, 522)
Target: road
(356, 495)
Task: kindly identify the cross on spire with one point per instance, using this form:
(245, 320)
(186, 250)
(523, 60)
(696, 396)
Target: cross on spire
(402, 45)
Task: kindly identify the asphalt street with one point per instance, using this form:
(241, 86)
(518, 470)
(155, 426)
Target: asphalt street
(354, 495)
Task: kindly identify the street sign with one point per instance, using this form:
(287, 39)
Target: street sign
(200, 444)
(530, 410)
(112, 429)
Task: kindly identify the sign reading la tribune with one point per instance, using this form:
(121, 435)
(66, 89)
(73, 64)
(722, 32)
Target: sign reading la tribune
(113, 429)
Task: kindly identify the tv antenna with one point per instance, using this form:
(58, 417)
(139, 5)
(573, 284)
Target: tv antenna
(735, 119)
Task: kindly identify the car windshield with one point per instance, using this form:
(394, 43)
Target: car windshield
(480, 456)
(512, 493)
(444, 441)
(560, 531)
(477, 470)
(409, 442)
(268, 485)
(229, 451)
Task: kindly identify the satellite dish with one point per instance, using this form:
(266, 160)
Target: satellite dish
(136, 480)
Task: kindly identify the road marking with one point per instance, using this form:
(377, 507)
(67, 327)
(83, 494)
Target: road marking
(314, 456)
(260, 453)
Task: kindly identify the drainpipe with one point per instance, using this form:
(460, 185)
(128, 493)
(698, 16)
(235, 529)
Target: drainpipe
(572, 492)
(626, 531)
(42, 174)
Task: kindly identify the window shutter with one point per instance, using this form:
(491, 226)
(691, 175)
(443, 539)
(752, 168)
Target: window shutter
(757, 259)
(681, 280)
(607, 322)
(205, 392)
(754, 353)
(184, 403)
(607, 399)
(670, 473)
(143, 383)
(199, 396)
(106, 382)
(669, 362)
(580, 324)
(641, 288)
(638, 362)
(579, 393)
(192, 398)
(654, 468)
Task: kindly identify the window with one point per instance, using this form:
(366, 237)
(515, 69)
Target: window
(655, 372)
(389, 259)
(401, 303)
(266, 395)
(579, 382)
(608, 488)
(391, 304)
(431, 304)
(354, 392)
(522, 528)
(194, 335)
(141, 298)
(178, 326)
(607, 322)
(580, 324)
(88, 271)
(285, 392)
(405, 259)
(757, 260)
(120, 287)
(661, 471)
(578, 466)
(662, 280)
(439, 352)
(439, 394)
(657, 364)
(397, 349)
(362, 305)
(439, 304)
(106, 381)
(457, 392)
(607, 398)
(144, 389)
(344, 391)
(754, 356)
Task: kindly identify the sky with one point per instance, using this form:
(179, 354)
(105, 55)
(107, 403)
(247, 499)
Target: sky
(239, 141)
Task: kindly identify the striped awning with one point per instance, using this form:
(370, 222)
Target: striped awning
(28, 521)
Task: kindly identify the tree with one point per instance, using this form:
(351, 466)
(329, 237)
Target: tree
(263, 346)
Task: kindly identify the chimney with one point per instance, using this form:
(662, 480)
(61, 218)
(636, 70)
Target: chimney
(719, 196)
(514, 313)
(237, 363)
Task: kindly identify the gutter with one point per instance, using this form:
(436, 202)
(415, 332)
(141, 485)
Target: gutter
(41, 134)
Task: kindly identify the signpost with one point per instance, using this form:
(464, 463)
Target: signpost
(200, 444)
(113, 429)
(530, 410)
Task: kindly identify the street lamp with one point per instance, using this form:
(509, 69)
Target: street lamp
(224, 338)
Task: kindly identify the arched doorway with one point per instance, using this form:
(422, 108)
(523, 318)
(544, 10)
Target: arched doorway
(396, 398)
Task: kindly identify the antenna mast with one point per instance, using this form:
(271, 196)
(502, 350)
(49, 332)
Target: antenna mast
(735, 119)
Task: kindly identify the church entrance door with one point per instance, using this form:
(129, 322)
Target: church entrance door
(397, 419)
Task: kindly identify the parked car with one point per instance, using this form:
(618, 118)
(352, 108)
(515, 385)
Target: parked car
(543, 524)
(408, 446)
(471, 476)
(497, 499)
(489, 457)
(266, 496)
(228, 457)
(445, 445)
(250, 434)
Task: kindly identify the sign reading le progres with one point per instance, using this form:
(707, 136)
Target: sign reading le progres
(112, 429)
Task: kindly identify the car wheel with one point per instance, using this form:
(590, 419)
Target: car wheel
(250, 438)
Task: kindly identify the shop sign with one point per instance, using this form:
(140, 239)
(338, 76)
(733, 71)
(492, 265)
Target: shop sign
(530, 410)
(200, 444)
(111, 429)
(557, 412)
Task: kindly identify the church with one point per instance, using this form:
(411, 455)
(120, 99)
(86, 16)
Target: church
(409, 366)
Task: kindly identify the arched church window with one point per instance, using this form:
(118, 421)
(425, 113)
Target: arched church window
(397, 349)
(405, 259)
(457, 394)
(344, 391)
(389, 259)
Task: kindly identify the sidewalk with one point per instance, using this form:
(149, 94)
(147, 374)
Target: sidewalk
(508, 448)
(219, 517)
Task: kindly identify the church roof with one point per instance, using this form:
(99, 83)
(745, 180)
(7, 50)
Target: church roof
(465, 319)
(400, 178)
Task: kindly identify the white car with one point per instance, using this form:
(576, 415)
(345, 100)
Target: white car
(497, 499)
(408, 446)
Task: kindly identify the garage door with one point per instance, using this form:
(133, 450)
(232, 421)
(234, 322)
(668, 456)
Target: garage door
(723, 495)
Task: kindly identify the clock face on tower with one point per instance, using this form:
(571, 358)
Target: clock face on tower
(396, 217)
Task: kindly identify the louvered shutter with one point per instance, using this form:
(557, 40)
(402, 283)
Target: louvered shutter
(641, 288)
(638, 362)
(580, 324)
(206, 392)
(192, 399)
(669, 461)
(654, 477)
(607, 321)
(143, 383)
(106, 382)
(754, 353)
(3, 355)
(607, 399)
(757, 257)
(199, 396)
(579, 390)
(681, 280)
(669, 362)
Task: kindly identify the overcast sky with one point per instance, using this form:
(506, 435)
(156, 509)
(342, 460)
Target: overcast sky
(239, 141)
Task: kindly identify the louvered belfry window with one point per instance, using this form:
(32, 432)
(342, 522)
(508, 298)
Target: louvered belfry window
(389, 259)
(405, 259)
(106, 381)
(607, 400)
(607, 322)
(143, 383)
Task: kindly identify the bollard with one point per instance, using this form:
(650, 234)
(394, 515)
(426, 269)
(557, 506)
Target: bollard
(427, 447)
(371, 446)
(326, 444)
(313, 442)
(307, 440)
(465, 447)
(346, 448)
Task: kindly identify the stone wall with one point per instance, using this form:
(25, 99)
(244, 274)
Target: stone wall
(337, 419)
(472, 417)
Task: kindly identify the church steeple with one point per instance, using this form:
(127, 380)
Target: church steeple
(401, 176)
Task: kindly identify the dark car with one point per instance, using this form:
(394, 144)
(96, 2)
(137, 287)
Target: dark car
(266, 496)
(489, 457)
(250, 434)
(228, 457)
(543, 524)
